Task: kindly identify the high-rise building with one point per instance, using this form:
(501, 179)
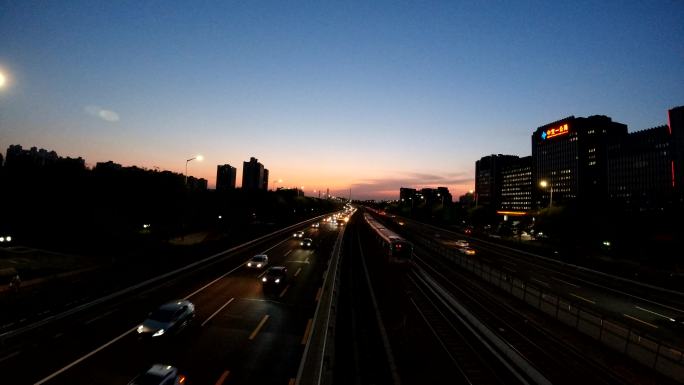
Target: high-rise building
(265, 180)
(488, 178)
(252, 175)
(225, 177)
(516, 185)
(571, 156)
(675, 123)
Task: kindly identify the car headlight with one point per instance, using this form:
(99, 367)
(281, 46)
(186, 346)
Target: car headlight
(8, 238)
(158, 333)
(301, 243)
(258, 265)
(264, 279)
(249, 264)
(277, 280)
(2, 239)
(140, 329)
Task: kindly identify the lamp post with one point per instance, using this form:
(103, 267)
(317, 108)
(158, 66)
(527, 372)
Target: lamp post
(544, 184)
(474, 196)
(199, 158)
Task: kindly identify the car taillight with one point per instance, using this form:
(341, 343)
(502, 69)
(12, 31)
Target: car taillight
(181, 379)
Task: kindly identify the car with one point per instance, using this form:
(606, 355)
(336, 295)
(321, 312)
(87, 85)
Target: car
(258, 261)
(275, 276)
(306, 242)
(170, 318)
(466, 251)
(298, 234)
(5, 239)
(461, 243)
(159, 374)
(315, 225)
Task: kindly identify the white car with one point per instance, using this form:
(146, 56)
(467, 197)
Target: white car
(258, 261)
(168, 319)
(298, 234)
(159, 375)
(461, 243)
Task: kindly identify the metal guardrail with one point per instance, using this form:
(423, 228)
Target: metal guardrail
(662, 357)
(315, 366)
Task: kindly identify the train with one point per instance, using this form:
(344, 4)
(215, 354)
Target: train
(397, 250)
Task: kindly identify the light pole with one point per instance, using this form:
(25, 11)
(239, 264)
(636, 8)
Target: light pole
(544, 184)
(475, 196)
(199, 158)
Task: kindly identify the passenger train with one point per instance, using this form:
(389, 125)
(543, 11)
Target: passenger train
(396, 249)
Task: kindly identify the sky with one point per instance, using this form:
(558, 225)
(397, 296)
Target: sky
(367, 95)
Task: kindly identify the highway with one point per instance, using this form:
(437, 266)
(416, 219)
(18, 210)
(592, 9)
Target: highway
(241, 333)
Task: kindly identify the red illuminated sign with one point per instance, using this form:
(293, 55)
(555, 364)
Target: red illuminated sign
(555, 131)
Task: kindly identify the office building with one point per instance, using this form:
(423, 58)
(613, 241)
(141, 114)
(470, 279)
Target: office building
(225, 177)
(516, 185)
(571, 156)
(488, 178)
(265, 180)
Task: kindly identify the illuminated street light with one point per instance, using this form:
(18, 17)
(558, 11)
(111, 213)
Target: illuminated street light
(544, 184)
(3, 80)
(276, 182)
(197, 157)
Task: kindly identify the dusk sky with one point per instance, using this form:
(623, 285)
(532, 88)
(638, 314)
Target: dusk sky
(369, 95)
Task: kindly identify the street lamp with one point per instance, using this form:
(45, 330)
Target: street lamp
(199, 158)
(3, 80)
(544, 184)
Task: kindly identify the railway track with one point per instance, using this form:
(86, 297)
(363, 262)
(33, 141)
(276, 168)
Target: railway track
(560, 363)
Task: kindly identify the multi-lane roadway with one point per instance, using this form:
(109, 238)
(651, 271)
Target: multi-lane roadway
(241, 333)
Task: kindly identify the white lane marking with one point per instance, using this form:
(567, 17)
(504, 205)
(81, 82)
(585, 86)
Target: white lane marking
(88, 355)
(638, 320)
(237, 267)
(565, 282)
(212, 282)
(88, 322)
(652, 312)
(217, 311)
(262, 273)
(78, 361)
(511, 270)
(298, 271)
(7, 357)
(306, 260)
(288, 252)
(259, 326)
(583, 299)
(222, 378)
(282, 293)
(541, 282)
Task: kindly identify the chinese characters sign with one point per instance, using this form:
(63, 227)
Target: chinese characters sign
(555, 131)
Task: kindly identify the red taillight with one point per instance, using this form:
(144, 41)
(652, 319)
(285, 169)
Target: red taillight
(181, 379)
